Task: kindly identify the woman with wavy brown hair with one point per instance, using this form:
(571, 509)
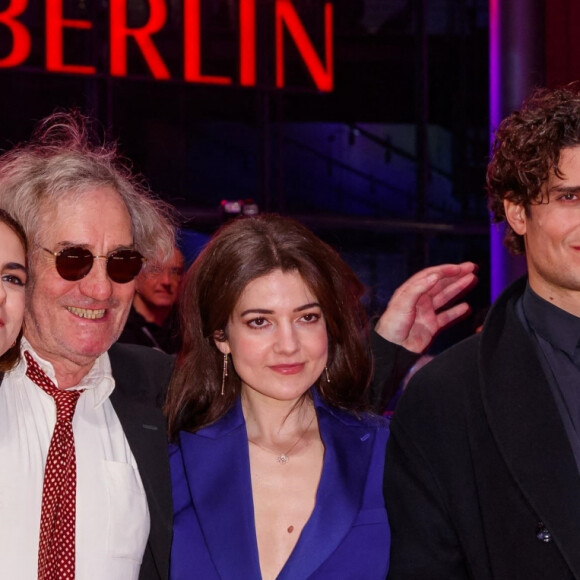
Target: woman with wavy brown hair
(276, 466)
(13, 276)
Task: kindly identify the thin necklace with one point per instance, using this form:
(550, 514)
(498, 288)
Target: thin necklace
(283, 458)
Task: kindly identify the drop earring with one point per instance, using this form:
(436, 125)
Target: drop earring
(224, 373)
(327, 376)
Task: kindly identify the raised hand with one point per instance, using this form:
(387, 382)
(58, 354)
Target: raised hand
(418, 309)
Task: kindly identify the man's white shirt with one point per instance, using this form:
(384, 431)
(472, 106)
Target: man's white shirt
(112, 517)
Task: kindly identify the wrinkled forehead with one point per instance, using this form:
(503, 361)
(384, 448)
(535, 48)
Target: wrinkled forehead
(87, 209)
(177, 259)
(83, 194)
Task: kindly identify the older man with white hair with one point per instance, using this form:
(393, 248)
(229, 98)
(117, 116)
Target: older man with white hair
(84, 482)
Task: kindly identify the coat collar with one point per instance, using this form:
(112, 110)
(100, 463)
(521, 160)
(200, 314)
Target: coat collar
(526, 424)
(217, 467)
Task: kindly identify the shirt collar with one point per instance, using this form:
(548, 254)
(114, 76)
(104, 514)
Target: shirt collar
(98, 382)
(560, 328)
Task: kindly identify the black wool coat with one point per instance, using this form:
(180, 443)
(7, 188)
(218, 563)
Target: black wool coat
(480, 478)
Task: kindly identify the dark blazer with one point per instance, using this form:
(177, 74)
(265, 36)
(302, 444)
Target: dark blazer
(346, 537)
(391, 363)
(480, 479)
(141, 376)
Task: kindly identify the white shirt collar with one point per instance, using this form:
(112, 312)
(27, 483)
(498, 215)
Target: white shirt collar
(99, 381)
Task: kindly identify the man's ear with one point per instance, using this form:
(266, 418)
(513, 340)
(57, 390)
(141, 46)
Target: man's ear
(516, 216)
(221, 341)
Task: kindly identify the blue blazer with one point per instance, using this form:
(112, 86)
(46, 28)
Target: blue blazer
(214, 537)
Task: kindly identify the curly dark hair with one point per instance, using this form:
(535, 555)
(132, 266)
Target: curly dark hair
(241, 251)
(527, 148)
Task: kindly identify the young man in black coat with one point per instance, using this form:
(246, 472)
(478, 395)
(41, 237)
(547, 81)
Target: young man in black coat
(482, 475)
(86, 494)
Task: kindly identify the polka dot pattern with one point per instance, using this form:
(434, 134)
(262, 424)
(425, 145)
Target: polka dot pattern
(56, 547)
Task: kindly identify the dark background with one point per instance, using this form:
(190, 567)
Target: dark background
(389, 167)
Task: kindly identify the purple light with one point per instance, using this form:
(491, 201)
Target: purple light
(496, 233)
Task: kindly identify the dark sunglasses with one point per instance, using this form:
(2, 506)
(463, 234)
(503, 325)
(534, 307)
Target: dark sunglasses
(74, 263)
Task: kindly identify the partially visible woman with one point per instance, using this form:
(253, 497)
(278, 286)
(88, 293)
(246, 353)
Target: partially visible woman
(13, 279)
(276, 467)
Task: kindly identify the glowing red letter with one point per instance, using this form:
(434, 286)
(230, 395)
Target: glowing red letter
(192, 47)
(20, 34)
(54, 26)
(286, 14)
(247, 42)
(142, 36)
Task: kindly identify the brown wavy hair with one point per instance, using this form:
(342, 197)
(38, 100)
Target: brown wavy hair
(9, 359)
(241, 251)
(526, 149)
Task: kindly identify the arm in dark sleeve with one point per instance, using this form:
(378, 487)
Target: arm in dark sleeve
(390, 364)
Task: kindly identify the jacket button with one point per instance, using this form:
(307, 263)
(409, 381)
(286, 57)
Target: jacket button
(542, 533)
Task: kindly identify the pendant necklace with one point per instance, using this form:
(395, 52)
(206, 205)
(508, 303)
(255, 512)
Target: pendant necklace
(283, 458)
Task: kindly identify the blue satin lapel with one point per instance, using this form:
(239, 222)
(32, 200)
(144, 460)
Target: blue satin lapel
(218, 470)
(348, 451)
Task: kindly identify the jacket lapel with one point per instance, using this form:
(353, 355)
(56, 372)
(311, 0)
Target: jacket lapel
(145, 429)
(221, 492)
(348, 450)
(217, 467)
(526, 424)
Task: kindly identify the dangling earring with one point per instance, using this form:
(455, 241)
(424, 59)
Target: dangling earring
(327, 377)
(224, 373)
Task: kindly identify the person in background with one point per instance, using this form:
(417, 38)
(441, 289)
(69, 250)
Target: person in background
(152, 321)
(482, 471)
(84, 481)
(13, 248)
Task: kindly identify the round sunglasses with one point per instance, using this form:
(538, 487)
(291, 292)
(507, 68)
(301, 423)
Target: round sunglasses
(75, 262)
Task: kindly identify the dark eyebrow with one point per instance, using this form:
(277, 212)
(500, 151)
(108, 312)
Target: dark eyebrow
(264, 311)
(66, 244)
(15, 266)
(307, 306)
(565, 189)
(256, 311)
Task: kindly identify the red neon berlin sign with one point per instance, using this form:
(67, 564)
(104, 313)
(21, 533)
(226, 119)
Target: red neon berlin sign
(287, 24)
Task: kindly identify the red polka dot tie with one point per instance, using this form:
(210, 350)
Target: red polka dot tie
(56, 546)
